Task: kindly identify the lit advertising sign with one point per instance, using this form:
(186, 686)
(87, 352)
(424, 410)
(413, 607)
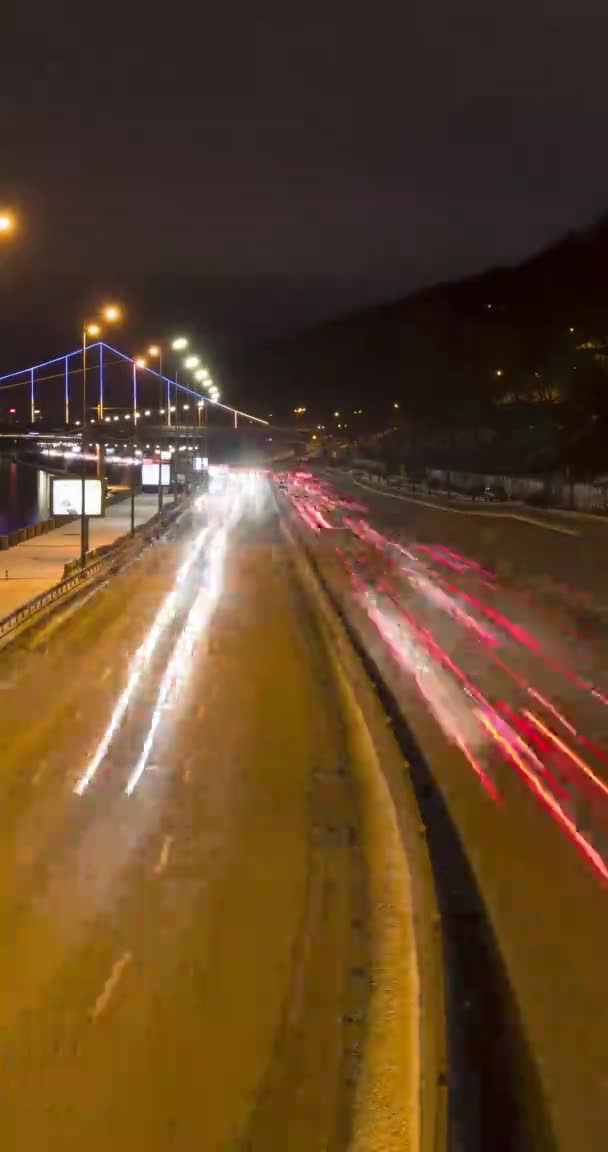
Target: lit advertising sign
(149, 474)
(66, 497)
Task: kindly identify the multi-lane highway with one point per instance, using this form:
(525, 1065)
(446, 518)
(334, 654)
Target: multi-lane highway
(491, 631)
(182, 905)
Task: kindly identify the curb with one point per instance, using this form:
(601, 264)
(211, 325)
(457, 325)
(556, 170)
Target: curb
(401, 1097)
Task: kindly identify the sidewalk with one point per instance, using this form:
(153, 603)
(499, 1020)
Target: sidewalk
(564, 521)
(30, 568)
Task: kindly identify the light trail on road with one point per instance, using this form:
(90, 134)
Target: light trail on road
(434, 627)
(162, 620)
(233, 495)
(198, 618)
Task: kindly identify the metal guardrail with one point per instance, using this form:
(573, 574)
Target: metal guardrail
(26, 611)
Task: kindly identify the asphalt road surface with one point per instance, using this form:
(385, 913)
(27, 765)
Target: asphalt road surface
(180, 894)
(493, 635)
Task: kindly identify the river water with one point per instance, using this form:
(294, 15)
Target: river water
(24, 495)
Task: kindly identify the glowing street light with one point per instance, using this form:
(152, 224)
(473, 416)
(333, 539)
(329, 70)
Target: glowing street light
(192, 361)
(179, 343)
(200, 374)
(112, 313)
(92, 330)
(140, 362)
(154, 351)
(8, 223)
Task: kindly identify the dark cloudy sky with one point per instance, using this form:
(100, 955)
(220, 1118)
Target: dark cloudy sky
(275, 161)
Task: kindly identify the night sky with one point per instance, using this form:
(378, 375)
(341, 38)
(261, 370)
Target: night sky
(244, 168)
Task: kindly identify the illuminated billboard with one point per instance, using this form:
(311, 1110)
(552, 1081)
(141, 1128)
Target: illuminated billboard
(66, 497)
(149, 474)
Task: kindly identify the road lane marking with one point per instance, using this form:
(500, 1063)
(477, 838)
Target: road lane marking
(106, 672)
(163, 859)
(470, 511)
(109, 987)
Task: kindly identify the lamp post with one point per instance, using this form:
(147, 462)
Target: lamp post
(87, 330)
(178, 345)
(111, 313)
(136, 365)
(156, 351)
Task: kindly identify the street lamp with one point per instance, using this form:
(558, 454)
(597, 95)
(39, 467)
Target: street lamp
(8, 223)
(192, 361)
(178, 345)
(112, 314)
